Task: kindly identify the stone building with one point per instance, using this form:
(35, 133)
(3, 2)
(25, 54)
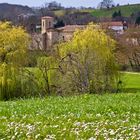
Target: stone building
(118, 27)
(52, 36)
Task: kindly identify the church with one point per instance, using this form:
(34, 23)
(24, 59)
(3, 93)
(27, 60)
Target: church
(52, 35)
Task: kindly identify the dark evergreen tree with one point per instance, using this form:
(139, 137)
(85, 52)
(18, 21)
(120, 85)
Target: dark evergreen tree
(114, 15)
(119, 13)
(138, 21)
(59, 23)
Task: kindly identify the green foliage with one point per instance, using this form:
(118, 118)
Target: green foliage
(13, 45)
(116, 14)
(87, 62)
(33, 56)
(13, 53)
(138, 20)
(48, 67)
(80, 117)
(131, 82)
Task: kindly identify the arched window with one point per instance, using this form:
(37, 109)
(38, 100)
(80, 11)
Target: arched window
(43, 23)
(63, 38)
(49, 24)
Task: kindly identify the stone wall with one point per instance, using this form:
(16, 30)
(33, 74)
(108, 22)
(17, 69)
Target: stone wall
(36, 42)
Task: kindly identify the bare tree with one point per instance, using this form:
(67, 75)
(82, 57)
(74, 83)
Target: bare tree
(106, 4)
(130, 47)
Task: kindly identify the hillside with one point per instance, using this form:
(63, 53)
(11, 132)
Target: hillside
(10, 11)
(126, 11)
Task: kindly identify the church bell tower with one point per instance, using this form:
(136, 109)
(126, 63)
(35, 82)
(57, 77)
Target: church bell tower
(47, 23)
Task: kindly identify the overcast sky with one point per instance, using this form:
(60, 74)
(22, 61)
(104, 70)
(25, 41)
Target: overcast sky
(67, 3)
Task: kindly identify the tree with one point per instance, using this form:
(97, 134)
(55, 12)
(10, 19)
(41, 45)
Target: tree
(51, 6)
(117, 15)
(106, 4)
(59, 23)
(114, 15)
(85, 64)
(88, 63)
(13, 47)
(138, 21)
(54, 5)
(48, 67)
(130, 48)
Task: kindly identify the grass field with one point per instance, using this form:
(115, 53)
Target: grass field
(63, 12)
(100, 117)
(59, 12)
(78, 117)
(126, 11)
(131, 82)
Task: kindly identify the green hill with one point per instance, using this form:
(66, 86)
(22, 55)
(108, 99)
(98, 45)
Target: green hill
(126, 11)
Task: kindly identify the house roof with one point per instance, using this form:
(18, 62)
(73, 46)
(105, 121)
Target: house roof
(71, 28)
(47, 17)
(118, 23)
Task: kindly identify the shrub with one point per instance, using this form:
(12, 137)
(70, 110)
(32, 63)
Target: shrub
(14, 82)
(85, 64)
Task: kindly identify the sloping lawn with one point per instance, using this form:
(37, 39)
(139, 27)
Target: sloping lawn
(131, 81)
(126, 11)
(80, 117)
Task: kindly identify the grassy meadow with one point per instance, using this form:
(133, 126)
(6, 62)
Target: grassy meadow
(126, 11)
(113, 116)
(60, 13)
(131, 82)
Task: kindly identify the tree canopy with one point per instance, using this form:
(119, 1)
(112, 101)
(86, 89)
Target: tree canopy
(13, 47)
(106, 4)
(13, 44)
(84, 64)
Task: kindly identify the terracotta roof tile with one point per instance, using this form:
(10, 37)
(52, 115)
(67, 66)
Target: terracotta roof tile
(46, 17)
(71, 27)
(119, 23)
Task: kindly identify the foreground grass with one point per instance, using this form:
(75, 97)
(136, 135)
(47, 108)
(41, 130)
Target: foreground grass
(81, 117)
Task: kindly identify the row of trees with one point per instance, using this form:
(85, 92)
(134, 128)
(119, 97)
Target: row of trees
(86, 64)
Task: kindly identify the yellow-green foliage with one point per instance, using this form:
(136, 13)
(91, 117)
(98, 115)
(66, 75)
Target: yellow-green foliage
(92, 38)
(13, 44)
(13, 47)
(89, 60)
(48, 66)
(82, 65)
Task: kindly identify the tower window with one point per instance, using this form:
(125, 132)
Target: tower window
(43, 23)
(63, 38)
(49, 24)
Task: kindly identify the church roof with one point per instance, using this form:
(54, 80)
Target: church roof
(47, 17)
(71, 28)
(112, 23)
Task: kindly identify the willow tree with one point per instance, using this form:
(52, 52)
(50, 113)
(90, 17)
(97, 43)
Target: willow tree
(88, 62)
(13, 48)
